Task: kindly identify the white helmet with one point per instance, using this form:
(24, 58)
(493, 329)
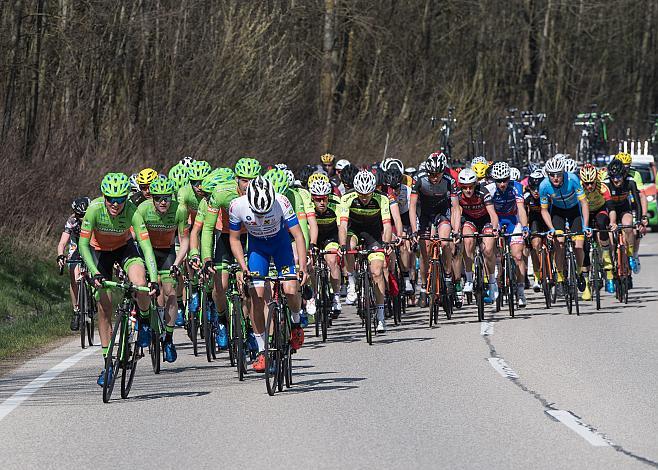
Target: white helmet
(570, 165)
(186, 162)
(560, 156)
(320, 187)
(500, 171)
(281, 166)
(260, 194)
(554, 165)
(436, 162)
(134, 187)
(365, 182)
(342, 163)
(514, 174)
(393, 162)
(479, 159)
(410, 170)
(291, 177)
(467, 176)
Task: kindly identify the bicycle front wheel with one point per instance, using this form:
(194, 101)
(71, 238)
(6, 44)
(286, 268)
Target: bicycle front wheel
(112, 361)
(368, 306)
(510, 273)
(91, 315)
(273, 347)
(82, 308)
(478, 288)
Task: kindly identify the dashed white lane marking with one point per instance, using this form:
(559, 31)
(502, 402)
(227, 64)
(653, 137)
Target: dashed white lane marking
(576, 425)
(486, 328)
(24, 393)
(502, 368)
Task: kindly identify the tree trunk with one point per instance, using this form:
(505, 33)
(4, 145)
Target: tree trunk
(327, 84)
(10, 93)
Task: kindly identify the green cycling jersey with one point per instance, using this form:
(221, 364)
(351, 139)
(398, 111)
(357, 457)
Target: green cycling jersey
(106, 233)
(219, 202)
(162, 228)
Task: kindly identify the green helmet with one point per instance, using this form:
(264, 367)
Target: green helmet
(162, 187)
(279, 180)
(247, 168)
(199, 170)
(210, 182)
(178, 176)
(115, 185)
(227, 174)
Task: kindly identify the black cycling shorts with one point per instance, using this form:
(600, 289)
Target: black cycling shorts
(425, 221)
(560, 217)
(124, 256)
(223, 257)
(478, 224)
(164, 259)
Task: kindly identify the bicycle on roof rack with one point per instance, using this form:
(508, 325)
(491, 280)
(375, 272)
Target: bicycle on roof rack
(445, 136)
(593, 143)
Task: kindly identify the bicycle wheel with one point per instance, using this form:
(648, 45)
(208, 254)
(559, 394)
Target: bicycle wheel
(325, 311)
(286, 357)
(82, 309)
(129, 367)
(318, 303)
(511, 283)
(432, 294)
(91, 315)
(112, 362)
(447, 297)
(545, 278)
(207, 327)
(367, 310)
(273, 347)
(238, 339)
(575, 293)
(568, 292)
(478, 287)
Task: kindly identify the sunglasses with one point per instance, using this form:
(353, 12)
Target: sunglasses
(504, 180)
(195, 182)
(469, 187)
(435, 175)
(320, 198)
(161, 198)
(554, 175)
(617, 178)
(116, 200)
(144, 187)
(589, 183)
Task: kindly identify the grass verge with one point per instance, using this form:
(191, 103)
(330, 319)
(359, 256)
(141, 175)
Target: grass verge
(34, 302)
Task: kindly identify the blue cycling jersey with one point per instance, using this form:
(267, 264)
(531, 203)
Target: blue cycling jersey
(566, 196)
(505, 203)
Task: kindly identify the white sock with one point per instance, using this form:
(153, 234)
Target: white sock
(336, 298)
(295, 316)
(469, 276)
(380, 312)
(260, 340)
(351, 280)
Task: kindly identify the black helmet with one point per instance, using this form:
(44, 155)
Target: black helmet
(80, 205)
(535, 179)
(348, 174)
(380, 176)
(393, 177)
(616, 168)
(305, 172)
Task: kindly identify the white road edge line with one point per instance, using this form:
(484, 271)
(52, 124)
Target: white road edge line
(576, 425)
(486, 328)
(24, 393)
(502, 368)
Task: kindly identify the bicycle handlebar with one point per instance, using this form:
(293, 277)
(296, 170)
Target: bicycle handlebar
(127, 286)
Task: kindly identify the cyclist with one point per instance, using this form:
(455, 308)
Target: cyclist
(143, 179)
(598, 195)
(434, 196)
(328, 165)
(399, 193)
(164, 218)
(507, 197)
(268, 218)
(627, 159)
(478, 216)
(620, 208)
(563, 200)
(535, 222)
(481, 170)
(347, 178)
(327, 212)
(191, 194)
(365, 215)
(178, 175)
(571, 166)
(70, 237)
(105, 239)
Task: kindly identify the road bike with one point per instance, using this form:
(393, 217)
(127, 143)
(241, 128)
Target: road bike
(440, 289)
(571, 291)
(445, 135)
(547, 268)
(593, 142)
(596, 272)
(479, 272)
(507, 285)
(621, 267)
(122, 351)
(366, 305)
(86, 306)
(323, 294)
(278, 352)
(238, 324)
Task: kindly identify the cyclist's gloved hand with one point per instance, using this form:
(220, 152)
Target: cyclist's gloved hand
(98, 280)
(174, 271)
(343, 250)
(587, 231)
(526, 231)
(195, 262)
(208, 267)
(307, 292)
(154, 287)
(61, 260)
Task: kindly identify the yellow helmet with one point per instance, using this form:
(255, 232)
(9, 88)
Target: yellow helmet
(327, 158)
(624, 157)
(480, 169)
(316, 177)
(146, 176)
(603, 174)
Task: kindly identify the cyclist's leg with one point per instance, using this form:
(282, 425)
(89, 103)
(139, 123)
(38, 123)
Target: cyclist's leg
(104, 261)
(558, 221)
(516, 248)
(629, 233)
(468, 228)
(448, 247)
(258, 264)
(334, 267)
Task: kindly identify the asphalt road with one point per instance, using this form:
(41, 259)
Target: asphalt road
(542, 390)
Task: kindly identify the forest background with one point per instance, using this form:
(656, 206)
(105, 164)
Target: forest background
(90, 86)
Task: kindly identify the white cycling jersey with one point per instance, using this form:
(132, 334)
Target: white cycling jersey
(262, 226)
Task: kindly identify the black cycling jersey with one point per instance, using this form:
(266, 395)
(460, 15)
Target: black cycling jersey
(434, 199)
